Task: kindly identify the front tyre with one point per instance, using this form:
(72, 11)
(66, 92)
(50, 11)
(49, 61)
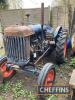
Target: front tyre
(46, 77)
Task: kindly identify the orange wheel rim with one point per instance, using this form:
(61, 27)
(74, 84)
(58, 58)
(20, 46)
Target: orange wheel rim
(7, 74)
(65, 48)
(4, 71)
(49, 78)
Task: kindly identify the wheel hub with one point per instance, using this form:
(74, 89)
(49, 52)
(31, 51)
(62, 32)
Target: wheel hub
(6, 73)
(49, 78)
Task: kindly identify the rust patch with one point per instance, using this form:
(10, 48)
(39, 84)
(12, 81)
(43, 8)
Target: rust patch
(18, 31)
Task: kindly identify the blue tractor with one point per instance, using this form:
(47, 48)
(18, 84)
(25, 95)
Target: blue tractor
(25, 46)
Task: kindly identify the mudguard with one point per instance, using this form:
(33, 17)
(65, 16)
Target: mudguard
(37, 28)
(57, 31)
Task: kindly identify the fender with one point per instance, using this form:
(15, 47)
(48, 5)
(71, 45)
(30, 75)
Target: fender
(37, 28)
(59, 28)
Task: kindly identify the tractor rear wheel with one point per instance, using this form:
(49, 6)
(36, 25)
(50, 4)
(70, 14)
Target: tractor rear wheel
(6, 74)
(61, 47)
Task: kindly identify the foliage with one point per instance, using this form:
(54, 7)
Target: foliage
(53, 97)
(2, 98)
(4, 88)
(17, 90)
(3, 4)
(72, 62)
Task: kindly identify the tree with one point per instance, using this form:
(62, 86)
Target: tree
(67, 5)
(3, 4)
(15, 4)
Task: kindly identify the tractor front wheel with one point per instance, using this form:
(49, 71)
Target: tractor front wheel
(6, 74)
(46, 77)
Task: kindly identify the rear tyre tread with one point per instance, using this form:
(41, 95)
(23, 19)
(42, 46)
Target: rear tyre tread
(61, 39)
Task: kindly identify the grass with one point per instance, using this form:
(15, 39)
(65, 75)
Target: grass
(2, 98)
(72, 62)
(53, 97)
(16, 91)
(4, 88)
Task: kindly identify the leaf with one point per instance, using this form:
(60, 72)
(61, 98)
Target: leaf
(53, 97)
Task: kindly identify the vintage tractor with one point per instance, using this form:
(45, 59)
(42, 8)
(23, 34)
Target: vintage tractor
(25, 46)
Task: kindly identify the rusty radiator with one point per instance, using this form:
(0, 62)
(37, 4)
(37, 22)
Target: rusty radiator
(17, 49)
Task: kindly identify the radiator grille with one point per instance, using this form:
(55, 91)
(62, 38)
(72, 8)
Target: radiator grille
(17, 49)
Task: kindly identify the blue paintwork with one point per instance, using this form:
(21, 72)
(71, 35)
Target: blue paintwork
(37, 28)
(56, 31)
(46, 28)
(68, 43)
